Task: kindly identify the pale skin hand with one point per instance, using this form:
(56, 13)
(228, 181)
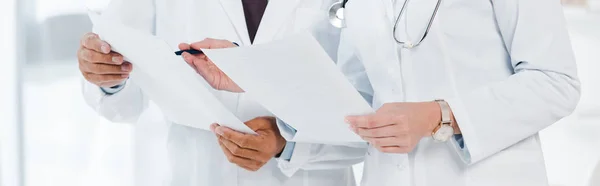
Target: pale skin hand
(206, 68)
(99, 65)
(398, 127)
(249, 151)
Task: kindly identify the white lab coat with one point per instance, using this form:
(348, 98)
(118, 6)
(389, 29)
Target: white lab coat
(506, 68)
(195, 157)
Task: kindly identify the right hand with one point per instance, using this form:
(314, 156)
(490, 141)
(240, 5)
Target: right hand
(206, 68)
(99, 65)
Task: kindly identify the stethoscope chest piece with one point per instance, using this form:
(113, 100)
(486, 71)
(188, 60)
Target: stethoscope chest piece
(336, 15)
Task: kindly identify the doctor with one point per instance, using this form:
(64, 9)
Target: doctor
(198, 157)
(462, 88)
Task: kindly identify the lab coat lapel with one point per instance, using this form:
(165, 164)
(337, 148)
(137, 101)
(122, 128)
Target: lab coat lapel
(277, 14)
(389, 8)
(235, 12)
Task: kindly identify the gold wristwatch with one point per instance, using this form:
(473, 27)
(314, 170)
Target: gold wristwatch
(444, 130)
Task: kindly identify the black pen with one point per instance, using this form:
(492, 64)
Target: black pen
(193, 52)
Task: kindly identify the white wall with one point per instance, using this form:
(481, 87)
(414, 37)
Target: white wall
(9, 156)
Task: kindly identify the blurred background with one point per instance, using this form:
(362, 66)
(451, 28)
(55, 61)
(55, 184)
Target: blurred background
(50, 137)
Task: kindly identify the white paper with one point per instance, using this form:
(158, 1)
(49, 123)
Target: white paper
(165, 78)
(295, 79)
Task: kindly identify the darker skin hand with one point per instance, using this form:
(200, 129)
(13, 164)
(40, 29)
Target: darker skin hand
(99, 65)
(250, 151)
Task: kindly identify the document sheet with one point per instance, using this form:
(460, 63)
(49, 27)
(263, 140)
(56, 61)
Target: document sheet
(183, 95)
(296, 80)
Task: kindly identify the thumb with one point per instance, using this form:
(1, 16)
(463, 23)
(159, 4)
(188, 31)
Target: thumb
(189, 59)
(261, 123)
(184, 46)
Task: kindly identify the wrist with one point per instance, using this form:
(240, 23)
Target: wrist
(281, 142)
(435, 113)
(282, 147)
(280, 152)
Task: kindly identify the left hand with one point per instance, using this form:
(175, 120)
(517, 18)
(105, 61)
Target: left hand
(397, 127)
(250, 151)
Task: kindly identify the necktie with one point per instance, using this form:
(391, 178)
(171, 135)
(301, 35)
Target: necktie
(253, 11)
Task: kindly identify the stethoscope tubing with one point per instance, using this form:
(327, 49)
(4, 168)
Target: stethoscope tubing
(339, 21)
(431, 19)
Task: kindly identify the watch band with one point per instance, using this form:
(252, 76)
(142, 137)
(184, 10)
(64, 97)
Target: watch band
(445, 108)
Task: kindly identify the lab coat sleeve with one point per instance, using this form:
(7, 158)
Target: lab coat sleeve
(124, 106)
(309, 156)
(543, 89)
(458, 145)
(114, 89)
(127, 104)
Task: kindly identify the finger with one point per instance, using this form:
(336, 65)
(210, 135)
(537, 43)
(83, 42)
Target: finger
(213, 127)
(249, 168)
(111, 83)
(387, 141)
(394, 149)
(104, 78)
(241, 152)
(240, 161)
(186, 55)
(103, 69)
(184, 46)
(261, 123)
(380, 132)
(93, 42)
(209, 43)
(243, 140)
(358, 121)
(97, 57)
(370, 121)
(189, 58)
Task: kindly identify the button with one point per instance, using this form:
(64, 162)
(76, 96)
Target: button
(401, 166)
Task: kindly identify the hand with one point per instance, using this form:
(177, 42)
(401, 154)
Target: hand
(99, 65)
(206, 68)
(397, 127)
(250, 151)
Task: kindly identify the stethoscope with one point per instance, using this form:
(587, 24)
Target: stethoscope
(336, 14)
(336, 18)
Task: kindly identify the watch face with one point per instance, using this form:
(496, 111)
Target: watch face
(444, 133)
